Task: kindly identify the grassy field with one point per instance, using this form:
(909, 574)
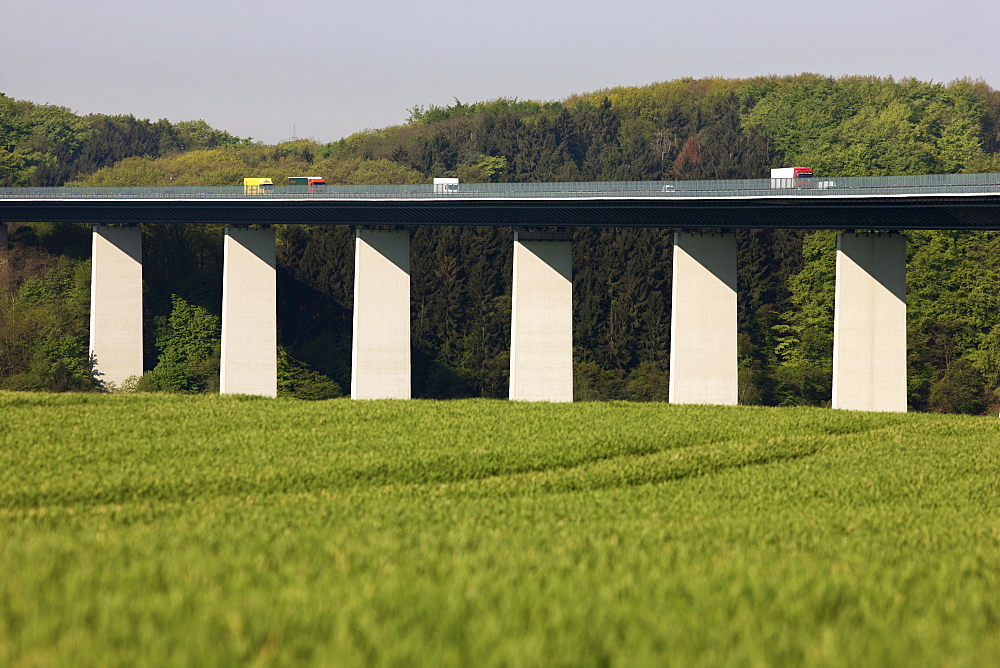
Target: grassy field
(201, 531)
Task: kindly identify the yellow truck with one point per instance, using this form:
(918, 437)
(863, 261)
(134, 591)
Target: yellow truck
(258, 186)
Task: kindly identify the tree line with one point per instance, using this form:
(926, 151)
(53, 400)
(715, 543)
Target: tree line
(675, 130)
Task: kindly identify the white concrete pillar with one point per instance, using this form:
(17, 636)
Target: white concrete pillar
(703, 367)
(116, 304)
(249, 363)
(380, 354)
(541, 328)
(869, 324)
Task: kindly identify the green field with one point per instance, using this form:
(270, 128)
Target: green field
(169, 530)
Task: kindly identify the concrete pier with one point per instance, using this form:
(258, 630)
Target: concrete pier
(249, 362)
(703, 367)
(541, 336)
(869, 326)
(380, 356)
(116, 304)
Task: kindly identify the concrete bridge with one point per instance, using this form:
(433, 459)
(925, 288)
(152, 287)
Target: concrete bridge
(869, 359)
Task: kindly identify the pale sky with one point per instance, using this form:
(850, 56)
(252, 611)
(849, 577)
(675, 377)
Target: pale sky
(323, 69)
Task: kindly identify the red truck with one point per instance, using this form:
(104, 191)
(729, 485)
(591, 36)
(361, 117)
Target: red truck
(306, 184)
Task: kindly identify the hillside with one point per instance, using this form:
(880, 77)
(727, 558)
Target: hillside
(684, 129)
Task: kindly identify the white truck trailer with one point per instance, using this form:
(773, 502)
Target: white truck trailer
(792, 177)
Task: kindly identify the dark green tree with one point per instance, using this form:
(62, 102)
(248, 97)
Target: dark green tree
(188, 341)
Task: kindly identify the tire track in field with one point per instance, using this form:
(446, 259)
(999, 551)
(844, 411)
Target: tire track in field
(662, 466)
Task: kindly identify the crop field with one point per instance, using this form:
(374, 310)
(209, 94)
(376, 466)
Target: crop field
(197, 531)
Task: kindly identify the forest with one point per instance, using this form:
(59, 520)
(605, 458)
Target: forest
(461, 277)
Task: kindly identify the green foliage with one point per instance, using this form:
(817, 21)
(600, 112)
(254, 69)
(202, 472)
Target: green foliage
(315, 291)
(867, 126)
(952, 307)
(188, 341)
(420, 115)
(488, 169)
(591, 382)
(35, 139)
(228, 167)
(461, 304)
(960, 389)
(805, 339)
(296, 379)
(232, 530)
(128, 172)
(365, 172)
(115, 138)
(43, 322)
(46, 145)
(195, 135)
(647, 382)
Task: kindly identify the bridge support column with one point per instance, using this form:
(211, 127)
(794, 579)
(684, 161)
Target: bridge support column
(380, 356)
(116, 304)
(703, 367)
(869, 325)
(249, 362)
(541, 334)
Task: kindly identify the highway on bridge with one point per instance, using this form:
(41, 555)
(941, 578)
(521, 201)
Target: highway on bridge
(955, 202)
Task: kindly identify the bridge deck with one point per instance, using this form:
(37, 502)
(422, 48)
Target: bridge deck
(960, 201)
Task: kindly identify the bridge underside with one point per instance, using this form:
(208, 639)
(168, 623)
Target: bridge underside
(861, 213)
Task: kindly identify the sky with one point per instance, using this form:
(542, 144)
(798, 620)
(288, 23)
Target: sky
(324, 69)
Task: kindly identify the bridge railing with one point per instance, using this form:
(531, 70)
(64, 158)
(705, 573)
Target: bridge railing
(871, 186)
